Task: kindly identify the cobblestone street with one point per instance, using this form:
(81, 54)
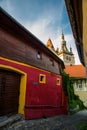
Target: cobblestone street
(61, 122)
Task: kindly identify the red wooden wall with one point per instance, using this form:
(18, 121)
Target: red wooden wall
(42, 99)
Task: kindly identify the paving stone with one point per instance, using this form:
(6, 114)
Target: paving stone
(61, 122)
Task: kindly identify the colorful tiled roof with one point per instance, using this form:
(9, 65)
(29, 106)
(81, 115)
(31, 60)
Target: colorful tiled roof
(77, 71)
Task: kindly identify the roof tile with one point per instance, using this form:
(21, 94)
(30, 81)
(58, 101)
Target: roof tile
(76, 71)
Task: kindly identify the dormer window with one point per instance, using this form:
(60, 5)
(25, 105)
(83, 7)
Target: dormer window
(38, 55)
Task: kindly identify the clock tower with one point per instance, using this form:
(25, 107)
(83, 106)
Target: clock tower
(63, 53)
(66, 55)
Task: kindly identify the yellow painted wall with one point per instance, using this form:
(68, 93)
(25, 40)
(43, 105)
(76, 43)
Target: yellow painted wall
(84, 5)
(83, 94)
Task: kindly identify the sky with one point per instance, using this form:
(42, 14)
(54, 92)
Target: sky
(43, 18)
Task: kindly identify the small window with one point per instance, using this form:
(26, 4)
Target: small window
(58, 81)
(66, 57)
(69, 59)
(42, 78)
(38, 55)
(79, 84)
(52, 62)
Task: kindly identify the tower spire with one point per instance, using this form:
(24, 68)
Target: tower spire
(62, 35)
(70, 49)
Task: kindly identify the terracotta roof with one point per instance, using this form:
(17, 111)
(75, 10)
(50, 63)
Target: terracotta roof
(76, 71)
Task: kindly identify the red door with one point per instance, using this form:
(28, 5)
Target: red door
(9, 92)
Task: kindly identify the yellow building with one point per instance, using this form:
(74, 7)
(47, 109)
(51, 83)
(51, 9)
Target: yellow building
(77, 11)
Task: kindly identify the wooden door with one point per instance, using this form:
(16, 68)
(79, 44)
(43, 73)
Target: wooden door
(9, 92)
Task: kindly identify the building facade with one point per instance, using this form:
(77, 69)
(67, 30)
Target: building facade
(77, 73)
(78, 20)
(78, 81)
(30, 73)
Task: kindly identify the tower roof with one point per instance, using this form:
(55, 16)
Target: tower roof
(50, 44)
(62, 35)
(64, 48)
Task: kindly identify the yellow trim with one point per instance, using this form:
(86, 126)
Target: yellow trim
(20, 63)
(22, 94)
(22, 86)
(58, 81)
(43, 79)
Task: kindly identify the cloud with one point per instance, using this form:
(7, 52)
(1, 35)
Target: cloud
(60, 13)
(6, 4)
(48, 25)
(40, 28)
(43, 31)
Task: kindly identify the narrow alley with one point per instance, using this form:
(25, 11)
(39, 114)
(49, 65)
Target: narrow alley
(61, 122)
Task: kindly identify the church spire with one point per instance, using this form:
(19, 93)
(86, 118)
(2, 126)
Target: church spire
(62, 35)
(63, 43)
(65, 54)
(71, 49)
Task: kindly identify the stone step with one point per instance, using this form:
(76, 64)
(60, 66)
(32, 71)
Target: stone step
(6, 121)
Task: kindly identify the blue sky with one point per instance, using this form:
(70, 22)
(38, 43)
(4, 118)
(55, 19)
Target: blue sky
(44, 18)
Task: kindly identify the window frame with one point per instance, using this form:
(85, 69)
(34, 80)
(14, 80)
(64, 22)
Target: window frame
(43, 81)
(79, 85)
(58, 81)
